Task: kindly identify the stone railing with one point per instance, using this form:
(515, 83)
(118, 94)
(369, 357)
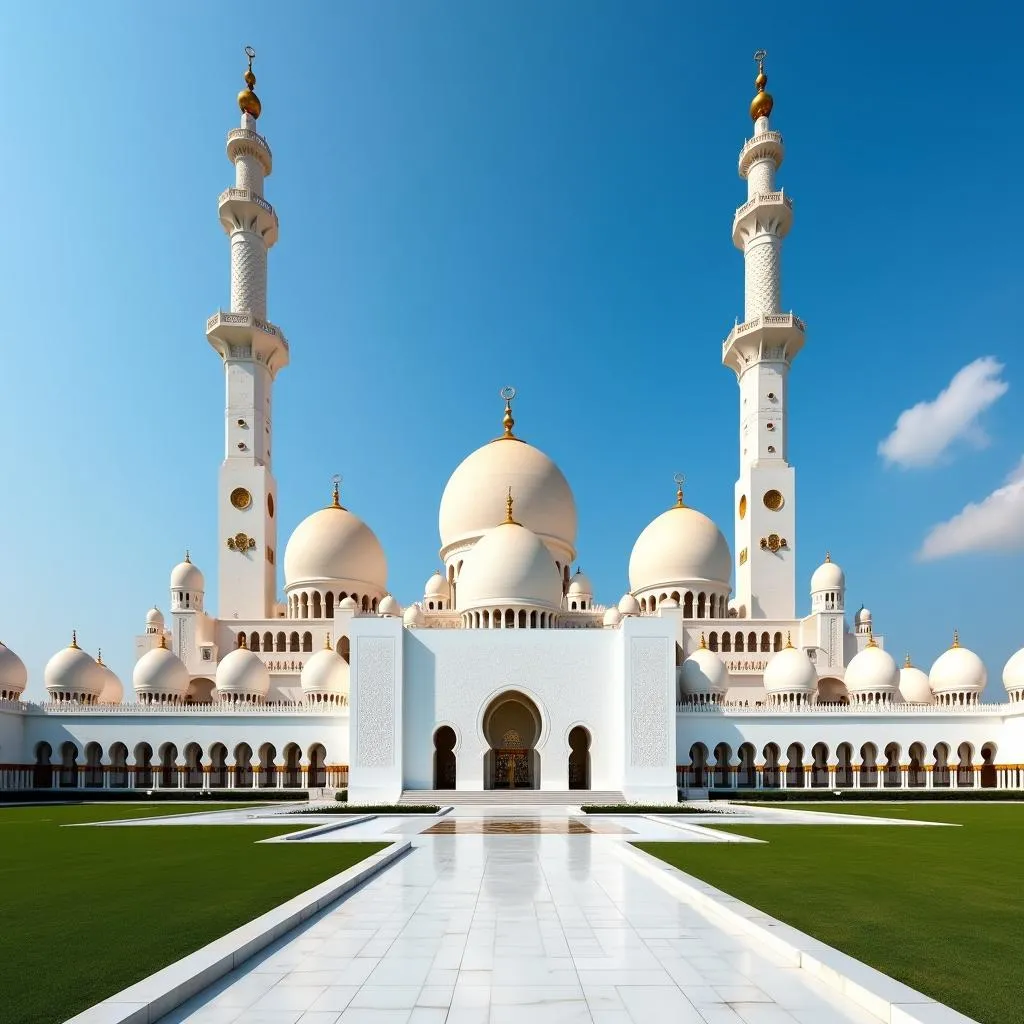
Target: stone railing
(764, 197)
(905, 710)
(248, 135)
(246, 195)
(69, 708)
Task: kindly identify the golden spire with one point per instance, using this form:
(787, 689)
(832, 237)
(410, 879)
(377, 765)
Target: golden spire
(761, 104)
(703, 643)
(789, 641)
(74, 640)
(188, 558)
(956, 639)
(680, 480)
(828, 556)
(508, 509)
(907, 663)
(248, 101)
(871, 639)
(99, 656)
(508, 393)
(163, 641)
(327, 641)
(335, 491)
(241, 642)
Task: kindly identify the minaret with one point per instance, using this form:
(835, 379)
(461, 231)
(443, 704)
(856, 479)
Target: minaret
(253, 351)
(760, 351)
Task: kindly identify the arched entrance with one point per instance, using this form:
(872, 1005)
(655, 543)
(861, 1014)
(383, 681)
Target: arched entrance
(444, 758)
(512, 726)
(579, 758)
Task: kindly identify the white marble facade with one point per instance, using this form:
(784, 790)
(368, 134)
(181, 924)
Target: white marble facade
(506, 671)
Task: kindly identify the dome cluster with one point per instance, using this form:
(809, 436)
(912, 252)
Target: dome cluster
(73, 675)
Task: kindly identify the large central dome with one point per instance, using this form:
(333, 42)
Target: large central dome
(474, 498)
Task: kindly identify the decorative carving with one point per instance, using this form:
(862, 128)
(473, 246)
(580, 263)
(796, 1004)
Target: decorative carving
(650, 711)
(241, 498)
(773, 500)
(241, 542)
(743, 557)
(375, 702)
(743, 506)
(774, 543)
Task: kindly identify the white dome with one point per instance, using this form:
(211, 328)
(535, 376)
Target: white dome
(828, 576)
(113, 691)
(413, 615)
(681, 546)
(437, 586)
(160, 671)
(703, 672)
(389, 606)
(914, 685)
(863, 616)
(629, 605)
(612, 616)
(474, 497)
(790, 671)
(958, 671)
(348, 604)
(186, 576)
(333, 544)
(669, 602)
(70, 671)
(509, 565)
(1013, 672)
(872, 671)
(579, 585)
(325, 672)
(155, 617)
(13, 674)
(243, 672)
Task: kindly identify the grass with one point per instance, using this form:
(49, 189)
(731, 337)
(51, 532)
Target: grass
(940, 909)
(88, 911)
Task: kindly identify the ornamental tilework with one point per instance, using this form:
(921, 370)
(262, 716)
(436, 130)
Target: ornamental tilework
(248, 274)
(649, 718)
(763, 278)
(375, 702)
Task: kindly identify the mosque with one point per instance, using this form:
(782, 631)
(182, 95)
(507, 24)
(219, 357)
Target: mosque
(507, 673)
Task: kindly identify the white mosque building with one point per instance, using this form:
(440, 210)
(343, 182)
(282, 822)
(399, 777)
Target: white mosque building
(507, 673)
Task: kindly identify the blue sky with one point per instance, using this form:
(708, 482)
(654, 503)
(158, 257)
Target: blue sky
(475, 194)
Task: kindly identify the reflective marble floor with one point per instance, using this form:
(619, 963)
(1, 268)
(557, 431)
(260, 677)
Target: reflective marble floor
(491, 927)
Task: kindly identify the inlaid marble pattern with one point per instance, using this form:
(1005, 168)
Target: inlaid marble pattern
(523, 827)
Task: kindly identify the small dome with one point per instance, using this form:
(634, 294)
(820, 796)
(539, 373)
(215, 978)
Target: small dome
(389, 606)
(863, 616)
(580, 586)
(790, 671)
(326, 672)
(437, 586)
(155, 617)
(958, 671)
(509, 565)
(629, 605)
(333, 544)
(72, 671)
(1013, 672)
(872, 671)
(703, 672)
(473, 499)
(413, 615)
(681, 546)
(914, 685)
(242, 672)
(828, 576)
(185, 576)
(113, 691)
(13, 674)
(612, 617)
(669, 602)
(348, 604)
(160, 672)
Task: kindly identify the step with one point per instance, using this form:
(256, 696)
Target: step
(510, 797)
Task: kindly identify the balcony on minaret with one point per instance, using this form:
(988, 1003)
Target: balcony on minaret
(767, 337)
(770, 212)
(766, 146)
(234, 207)
(244, 336)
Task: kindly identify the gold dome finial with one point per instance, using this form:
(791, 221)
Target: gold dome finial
(508, 393)
(828, 556)
(703, 643)
(327, 641)
(789, 641)
(679, 480)
(956, 639)
(871, 639)
(74, 640)
(241, 642)
(907, 663)
(163, 641)
(336, 491)
(188, 558)
(508, 509)
(248, 101)
(99, 656)
(761, 104)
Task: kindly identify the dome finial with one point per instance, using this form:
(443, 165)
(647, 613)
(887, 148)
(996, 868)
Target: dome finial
(188, 558)
(871, 638)
(508, 393)
(327, 641)
(828, 556)
(956, 638)
(99, 656)
(241, 642)
(680, 480)
(74, 640)
(163, 641)
(508, 509)
(703, 643)
(248, 101)
(789, 641)
(761, 104)
(907, 663)
(336, 491)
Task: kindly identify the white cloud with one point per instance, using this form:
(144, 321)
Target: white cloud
(995, 523)
(924, 431)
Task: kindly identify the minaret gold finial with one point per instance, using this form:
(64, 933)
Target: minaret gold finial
(789, 641)
(508, 393)
(761, 104)
(74, 640)
(871, 639)
(336, 491)
(680, 480)
(956, 639)
(508, 509)
(163, 641)
(248, 101)
(703, 643)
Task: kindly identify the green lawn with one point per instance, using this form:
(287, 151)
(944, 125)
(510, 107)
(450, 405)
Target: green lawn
(941, 909)
(88, 911)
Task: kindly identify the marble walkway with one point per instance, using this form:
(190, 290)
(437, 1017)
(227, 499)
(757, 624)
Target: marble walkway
(480, 928)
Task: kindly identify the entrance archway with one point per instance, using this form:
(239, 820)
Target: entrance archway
(512, 727)
(579, 758)
(444, 758)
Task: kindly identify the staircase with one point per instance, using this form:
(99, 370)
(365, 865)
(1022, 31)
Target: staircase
(509, 797)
